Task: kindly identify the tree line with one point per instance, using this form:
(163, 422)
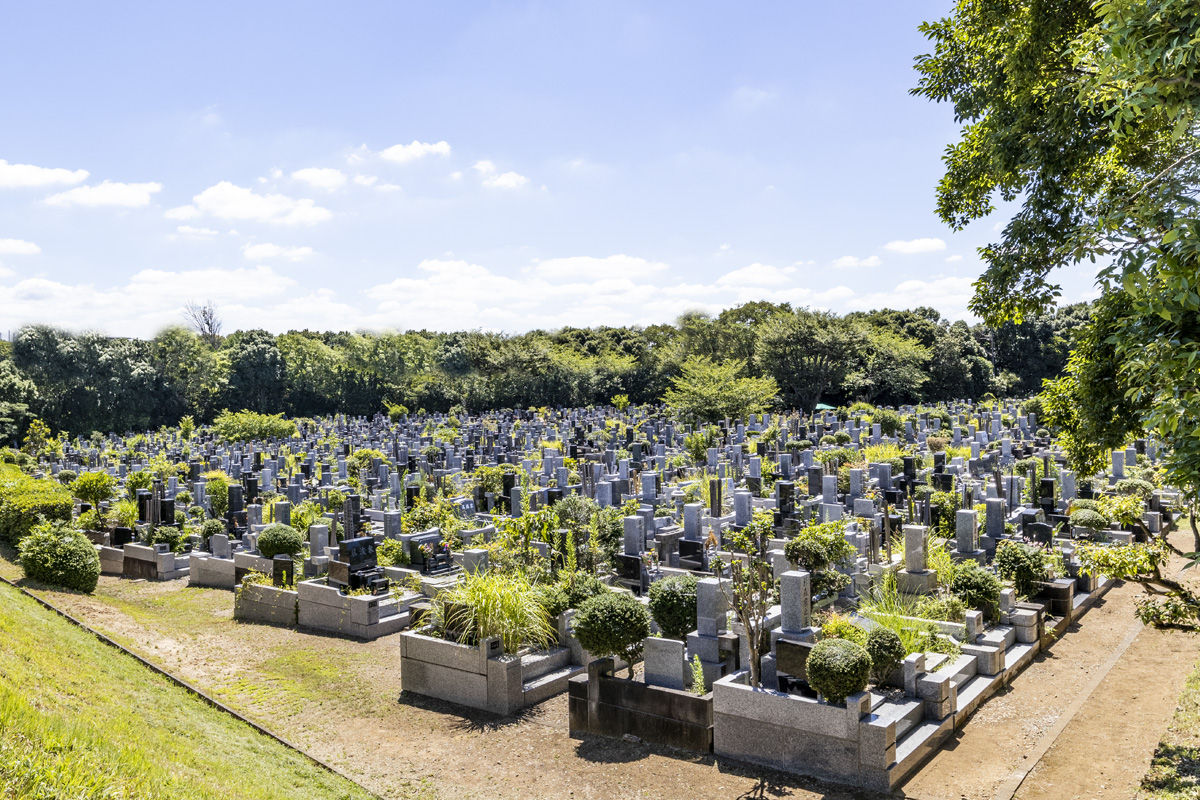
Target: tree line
(86, 382)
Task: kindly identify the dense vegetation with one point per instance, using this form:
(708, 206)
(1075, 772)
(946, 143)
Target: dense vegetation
(85, 382)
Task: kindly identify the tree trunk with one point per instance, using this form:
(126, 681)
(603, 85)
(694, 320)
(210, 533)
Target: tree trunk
(1195, 532)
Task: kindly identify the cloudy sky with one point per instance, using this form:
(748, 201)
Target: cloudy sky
(448, 166)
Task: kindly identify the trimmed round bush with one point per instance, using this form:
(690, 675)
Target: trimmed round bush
(613, 624)
(673, 605)
(1042, 433)
(838, 668)
(1079, 504)
(60, 556)
(886, 651)
(1137, 486)
(804, 444)
(210, 527)
(66, 476)
(841, 437)
(1087, 518)
(278, 539)
(889, 421)
(827, 439)
(978, 588)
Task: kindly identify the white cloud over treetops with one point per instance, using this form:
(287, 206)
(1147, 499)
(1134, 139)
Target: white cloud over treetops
(578, 291)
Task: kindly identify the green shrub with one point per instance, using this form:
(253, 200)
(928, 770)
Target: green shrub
(804, 444)
(1022, 564)
(837, 626)
(889, 421)
(26, 501)
(841, 437)
(183, 498)
(66, 476)
(828, 439)
(392, 553)
(245, 426)
(944, 608)
(571, 590)
(886, 652)
(838, 668)
(211, 527)
(142, 479)
(1135, 486)
(613, 624)
(165, 534)
(90, 521)
(818, 549)
(59, 555)
(673, 605)
(1079, 504)
(978, 588)
(278, 539)
(1087, 518)
(123, 514)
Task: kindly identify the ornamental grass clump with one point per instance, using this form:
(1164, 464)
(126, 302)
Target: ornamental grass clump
(838, 668)
(487, 604)
(59, 555)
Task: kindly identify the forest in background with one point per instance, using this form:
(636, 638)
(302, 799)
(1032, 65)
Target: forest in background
(86, 382)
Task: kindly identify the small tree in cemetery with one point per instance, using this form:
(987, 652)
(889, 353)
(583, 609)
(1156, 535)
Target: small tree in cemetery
(749, 588)
(94, 487)
(613, 624)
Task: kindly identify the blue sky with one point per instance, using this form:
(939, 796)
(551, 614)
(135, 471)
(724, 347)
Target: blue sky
(469, 165)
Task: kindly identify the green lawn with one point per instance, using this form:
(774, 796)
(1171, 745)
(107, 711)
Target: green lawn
(79, 719)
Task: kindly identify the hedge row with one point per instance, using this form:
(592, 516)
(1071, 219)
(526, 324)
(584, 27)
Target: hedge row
(25, 501)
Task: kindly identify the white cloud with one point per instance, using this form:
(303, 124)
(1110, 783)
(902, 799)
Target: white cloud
(455, 176)
(14, 176)
(849, 262)
(108, 193)
(757, 275)
(388, 187)
(321, 178)
(146, 302)
(190, 231)
(5, 272)
(949, 295)
(227, 201)
(261, 251)
(404, 153)
(953, 259)
(498, 180)
(18, 247)
(365, 180)
(915, 246)
(581, 267)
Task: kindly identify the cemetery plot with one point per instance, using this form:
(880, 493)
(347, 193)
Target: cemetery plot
(834, 609)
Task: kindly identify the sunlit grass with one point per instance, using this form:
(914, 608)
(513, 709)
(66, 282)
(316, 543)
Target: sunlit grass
(80, 720)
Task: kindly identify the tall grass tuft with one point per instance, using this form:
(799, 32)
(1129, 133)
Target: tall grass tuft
(492, 603)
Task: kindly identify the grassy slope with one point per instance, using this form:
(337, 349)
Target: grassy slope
(1175, 769)
(81, 720)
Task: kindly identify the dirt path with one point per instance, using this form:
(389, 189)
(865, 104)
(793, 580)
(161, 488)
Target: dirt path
(341, 700)
(1105, 749)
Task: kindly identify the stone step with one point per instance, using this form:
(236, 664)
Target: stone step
(542, 662)
(918, 745)
(549, 684)
(972, 693)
